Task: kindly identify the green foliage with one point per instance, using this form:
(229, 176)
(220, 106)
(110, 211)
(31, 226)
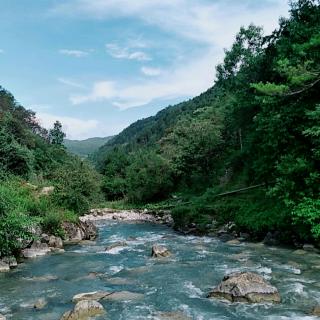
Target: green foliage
(51, 223)
(56, 135)
(77, 186)
(149, 178)
(15, 223)
(306, 216)
(15, 227)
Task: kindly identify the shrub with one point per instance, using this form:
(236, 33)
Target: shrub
(77, 186)
(306, 216)
(14, 228)
(51, 223)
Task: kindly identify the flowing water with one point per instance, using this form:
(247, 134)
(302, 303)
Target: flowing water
(177, 284)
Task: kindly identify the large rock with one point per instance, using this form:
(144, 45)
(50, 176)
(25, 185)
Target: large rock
(89, 229)
(40, 303)
(116, 246)
(160, 252)
(55, 242)
(124, 296)
(94, 295)
(2, 317)
(173, 315)
(77, 232)
(4, 267)
(11, 261)
(84, 310)
(245, 287)
(37, 249)
(7, 263)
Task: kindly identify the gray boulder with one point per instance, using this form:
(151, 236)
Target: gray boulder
(118, 244)
(75, 233)
(4, 267)
(40, 303)
(7, 263)
(94, 295)
(84, 310)
(245, 287)
(124, 296)
(160, 252)
(55, 242)
(37, 249)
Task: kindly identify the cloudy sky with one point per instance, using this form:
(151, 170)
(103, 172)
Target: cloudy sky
(99, 65)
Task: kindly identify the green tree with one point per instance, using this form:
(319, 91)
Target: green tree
(56, 135)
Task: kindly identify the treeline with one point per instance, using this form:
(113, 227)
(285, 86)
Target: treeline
(32, 158)
(257, 125)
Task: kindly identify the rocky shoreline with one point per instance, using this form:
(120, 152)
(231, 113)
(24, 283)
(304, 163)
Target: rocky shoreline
(44, 244)
(226, 233)
(161, 216)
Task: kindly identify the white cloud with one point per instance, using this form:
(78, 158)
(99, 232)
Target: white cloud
(75, 128)
(74, 53)
(70, 83)
(118, 52)
(183, 80)
(101, 90)
(201, 21)
(151, 72)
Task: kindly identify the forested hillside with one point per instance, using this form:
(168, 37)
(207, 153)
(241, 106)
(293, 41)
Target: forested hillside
(40, 183)
(84, 148)
(257, 126)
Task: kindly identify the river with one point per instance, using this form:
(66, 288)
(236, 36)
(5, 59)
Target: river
(176, 284)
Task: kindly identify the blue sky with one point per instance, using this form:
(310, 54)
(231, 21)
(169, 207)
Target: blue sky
(99, 65)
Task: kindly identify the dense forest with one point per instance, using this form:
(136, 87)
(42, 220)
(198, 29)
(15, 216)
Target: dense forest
(33, 160)
(257, 130)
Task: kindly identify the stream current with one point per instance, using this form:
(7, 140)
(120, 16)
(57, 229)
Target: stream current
(173, 286)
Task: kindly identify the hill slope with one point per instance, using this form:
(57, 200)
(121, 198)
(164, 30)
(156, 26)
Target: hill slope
(83, 148)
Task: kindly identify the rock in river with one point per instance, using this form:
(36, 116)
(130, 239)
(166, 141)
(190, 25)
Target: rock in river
(124, 296)
(160, 252)
(2, 317)
(245, 287)
(94, 295)
(116, 246)
(40, 303)
(84, 310)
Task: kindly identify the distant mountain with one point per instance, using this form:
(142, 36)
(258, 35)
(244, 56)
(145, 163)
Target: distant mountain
(83, 148)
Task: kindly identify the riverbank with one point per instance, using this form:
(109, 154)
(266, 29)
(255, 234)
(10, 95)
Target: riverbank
(228, 232)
